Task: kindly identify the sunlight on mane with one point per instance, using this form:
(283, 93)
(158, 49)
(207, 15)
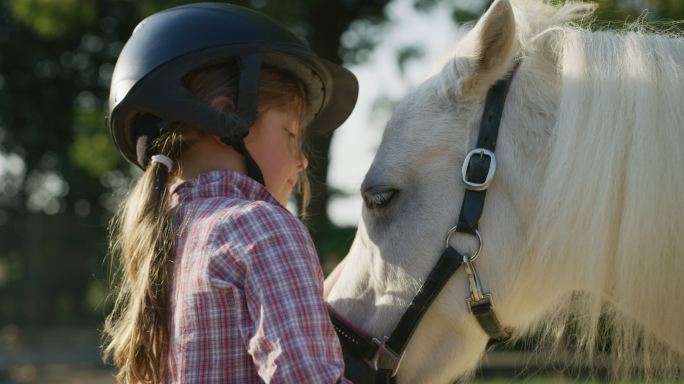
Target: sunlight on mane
(612, 200)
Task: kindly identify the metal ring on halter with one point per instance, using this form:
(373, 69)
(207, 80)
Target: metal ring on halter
(476, 234)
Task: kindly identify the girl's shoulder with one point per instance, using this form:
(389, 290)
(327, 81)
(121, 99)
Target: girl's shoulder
(253, 232)
(240, 231)
(229, 216)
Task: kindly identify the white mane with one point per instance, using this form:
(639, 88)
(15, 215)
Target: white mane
(613, 197)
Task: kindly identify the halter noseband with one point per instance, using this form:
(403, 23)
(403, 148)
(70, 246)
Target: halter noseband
(368, 359)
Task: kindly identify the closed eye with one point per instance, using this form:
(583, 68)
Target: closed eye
(378, 197)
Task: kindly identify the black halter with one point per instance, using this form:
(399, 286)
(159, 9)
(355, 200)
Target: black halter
(372, 360)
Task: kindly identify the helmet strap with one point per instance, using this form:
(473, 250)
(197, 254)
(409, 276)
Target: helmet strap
(146, 129)
(251, 166)
(247, 100)
(248, 87)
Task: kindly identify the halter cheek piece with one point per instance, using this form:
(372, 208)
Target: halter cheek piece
(368, 359)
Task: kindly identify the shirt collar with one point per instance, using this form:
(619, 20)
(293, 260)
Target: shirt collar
(220, 183)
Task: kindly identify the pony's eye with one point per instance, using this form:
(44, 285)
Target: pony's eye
(378, 197)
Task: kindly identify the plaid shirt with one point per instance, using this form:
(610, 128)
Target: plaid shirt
(246, 301)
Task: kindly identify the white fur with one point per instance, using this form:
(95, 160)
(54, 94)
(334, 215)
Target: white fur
(585, 219)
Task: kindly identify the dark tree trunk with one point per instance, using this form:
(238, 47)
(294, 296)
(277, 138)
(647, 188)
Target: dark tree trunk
(329, 19)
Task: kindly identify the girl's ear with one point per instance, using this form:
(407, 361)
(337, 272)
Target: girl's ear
(223, 103)
(492, 47)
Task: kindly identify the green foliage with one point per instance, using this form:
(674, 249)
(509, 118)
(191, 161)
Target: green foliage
(53, 19)
(148, 7)
(92, 149)
(406, 54)
(423, 5)
(51, 265)
(55, 67)
(334, 248)
(541, 378)
(56, 64)
(464, 16)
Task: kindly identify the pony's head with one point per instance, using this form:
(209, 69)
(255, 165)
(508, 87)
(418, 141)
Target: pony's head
(413, 191)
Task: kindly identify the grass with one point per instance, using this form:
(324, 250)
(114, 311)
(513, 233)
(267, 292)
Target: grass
(554, 380)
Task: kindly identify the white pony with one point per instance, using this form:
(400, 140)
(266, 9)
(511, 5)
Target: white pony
(584, 220)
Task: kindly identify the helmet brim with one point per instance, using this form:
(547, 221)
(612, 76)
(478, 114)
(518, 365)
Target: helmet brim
(332, 90)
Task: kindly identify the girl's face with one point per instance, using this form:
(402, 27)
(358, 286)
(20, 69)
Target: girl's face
(273, 142)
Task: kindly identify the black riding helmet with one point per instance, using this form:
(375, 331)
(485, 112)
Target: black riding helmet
(147, 91)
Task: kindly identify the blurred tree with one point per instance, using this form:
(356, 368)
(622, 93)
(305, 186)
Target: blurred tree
(59, 169)
(60, 176)
(55, 67)
(59, 56)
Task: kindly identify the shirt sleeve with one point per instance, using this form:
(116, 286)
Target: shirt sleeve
(291, 339)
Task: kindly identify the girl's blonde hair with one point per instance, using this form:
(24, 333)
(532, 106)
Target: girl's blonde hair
(141, 234)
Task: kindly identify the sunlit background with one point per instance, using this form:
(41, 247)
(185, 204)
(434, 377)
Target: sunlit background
(61, 178)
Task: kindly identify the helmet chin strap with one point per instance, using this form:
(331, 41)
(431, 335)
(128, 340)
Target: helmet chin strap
(147, 129)
(251, 166)
(247, 101)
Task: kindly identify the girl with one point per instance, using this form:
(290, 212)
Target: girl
(219, 283)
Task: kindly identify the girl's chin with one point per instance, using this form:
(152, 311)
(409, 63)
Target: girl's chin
(283, 198)
(282, 194)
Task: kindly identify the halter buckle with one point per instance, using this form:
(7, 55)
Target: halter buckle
(385, 358)
(486, 298)
(475, 185)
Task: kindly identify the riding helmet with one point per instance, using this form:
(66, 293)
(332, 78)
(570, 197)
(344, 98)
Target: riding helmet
(147, 90)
